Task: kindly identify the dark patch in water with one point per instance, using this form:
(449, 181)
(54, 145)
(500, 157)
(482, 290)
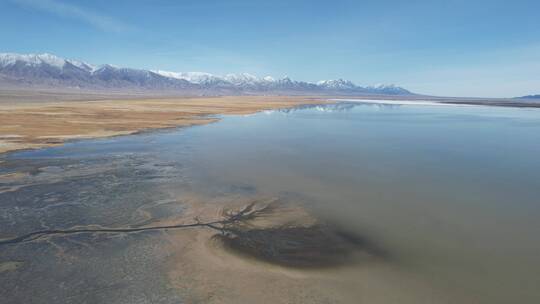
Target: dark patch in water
(315, 246)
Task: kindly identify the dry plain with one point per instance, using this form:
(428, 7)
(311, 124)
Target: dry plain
(46, 122)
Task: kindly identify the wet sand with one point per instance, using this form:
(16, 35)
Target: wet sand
(308, 261)
(45, 123)
(206, 269)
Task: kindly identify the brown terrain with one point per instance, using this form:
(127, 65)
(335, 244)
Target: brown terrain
(40, 123)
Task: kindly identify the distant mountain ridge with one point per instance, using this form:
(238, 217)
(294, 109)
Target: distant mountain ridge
(537, 96)
(52, 71)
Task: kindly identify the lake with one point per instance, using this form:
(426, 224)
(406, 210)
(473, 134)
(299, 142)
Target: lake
(450, 192)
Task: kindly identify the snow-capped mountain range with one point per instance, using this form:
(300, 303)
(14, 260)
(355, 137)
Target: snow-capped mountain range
(52, 71)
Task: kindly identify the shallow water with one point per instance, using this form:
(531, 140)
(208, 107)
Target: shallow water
(452, 193)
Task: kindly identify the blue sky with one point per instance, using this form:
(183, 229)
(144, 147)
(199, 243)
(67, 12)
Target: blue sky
(452, 47)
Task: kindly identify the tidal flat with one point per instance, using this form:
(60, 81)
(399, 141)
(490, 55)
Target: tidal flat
(353, 202)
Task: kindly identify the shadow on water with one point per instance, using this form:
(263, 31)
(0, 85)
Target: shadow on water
(317, 246)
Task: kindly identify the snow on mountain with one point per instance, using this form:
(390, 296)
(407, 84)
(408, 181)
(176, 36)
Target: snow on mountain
(207, 78)
(389, 89)
(240, 79)
(193, 77)
(7, 59)
(11, 59)
(336, 84)
(49, 69)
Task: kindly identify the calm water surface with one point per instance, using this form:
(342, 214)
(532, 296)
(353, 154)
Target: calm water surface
(452, 192)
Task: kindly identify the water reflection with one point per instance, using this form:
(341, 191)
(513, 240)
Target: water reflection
(334, 108)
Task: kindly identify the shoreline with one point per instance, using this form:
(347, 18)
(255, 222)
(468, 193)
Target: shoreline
(29, 126)
(53, 122)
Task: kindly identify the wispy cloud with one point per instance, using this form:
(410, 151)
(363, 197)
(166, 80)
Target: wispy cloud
(71, 11)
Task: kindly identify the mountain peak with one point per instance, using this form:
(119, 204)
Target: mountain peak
(242, 78)
(31, 59)
(11, 59)
(337, 84)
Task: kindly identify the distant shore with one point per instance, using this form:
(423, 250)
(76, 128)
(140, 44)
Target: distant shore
(37, 119)
(444, 101)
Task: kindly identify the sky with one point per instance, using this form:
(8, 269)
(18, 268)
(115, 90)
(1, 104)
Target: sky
(446, 48)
